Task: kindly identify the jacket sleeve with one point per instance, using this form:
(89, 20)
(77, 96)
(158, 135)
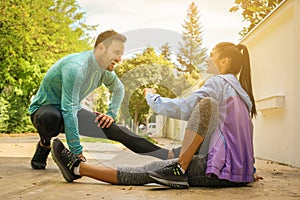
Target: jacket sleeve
(178, 108)
(71, 82)
(181, 108)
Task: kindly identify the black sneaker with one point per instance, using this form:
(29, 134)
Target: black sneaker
(40, 156)
(65, 160)
(171, 176)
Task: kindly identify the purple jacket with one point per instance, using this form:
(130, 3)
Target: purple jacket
(230, 154)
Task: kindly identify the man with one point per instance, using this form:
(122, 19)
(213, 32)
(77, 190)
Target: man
(56, 106)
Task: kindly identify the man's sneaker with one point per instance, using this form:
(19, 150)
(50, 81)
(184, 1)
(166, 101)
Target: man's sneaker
(171, 176)
(40, 156)
(65, 160)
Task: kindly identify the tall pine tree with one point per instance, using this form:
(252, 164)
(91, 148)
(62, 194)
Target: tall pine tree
(191, 52)
(166, 51)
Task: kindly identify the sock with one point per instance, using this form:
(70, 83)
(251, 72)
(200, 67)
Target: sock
(46, 146)
(170, 154)
(182, 170)
(76, 170)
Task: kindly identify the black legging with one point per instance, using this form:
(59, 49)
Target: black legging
(49, 123)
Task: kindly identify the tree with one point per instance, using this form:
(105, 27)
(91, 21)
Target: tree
(191, 53)
(102, 99)
(33, 35)
(97, 100)
(166, 51)
(254, 11)
(146, 70)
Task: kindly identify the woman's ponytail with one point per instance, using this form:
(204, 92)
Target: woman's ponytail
(245, 76)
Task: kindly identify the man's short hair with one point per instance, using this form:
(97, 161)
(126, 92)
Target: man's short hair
(108, 36)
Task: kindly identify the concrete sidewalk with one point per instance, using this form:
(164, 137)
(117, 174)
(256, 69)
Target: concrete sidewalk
(19, 181)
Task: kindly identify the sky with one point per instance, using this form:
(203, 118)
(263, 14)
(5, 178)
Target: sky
(156, 22)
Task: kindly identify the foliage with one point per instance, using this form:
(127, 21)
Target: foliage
(97, 100)
(33, 35)
(3, 114)
(166, 51)
(102, 99)
(254, 11)
(147, 70)
(191, 54)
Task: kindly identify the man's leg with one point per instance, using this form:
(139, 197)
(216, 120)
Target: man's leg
(135, 143)
(49, 123)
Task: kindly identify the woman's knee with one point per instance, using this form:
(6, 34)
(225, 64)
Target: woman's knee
(204, 118)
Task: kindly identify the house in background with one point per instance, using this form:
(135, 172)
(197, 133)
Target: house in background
(274, 47)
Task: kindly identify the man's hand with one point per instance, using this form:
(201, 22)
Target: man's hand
(149, 90)
(103, 120)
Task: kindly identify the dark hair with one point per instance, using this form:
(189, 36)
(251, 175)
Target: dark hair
(108, 36)
(240, 64)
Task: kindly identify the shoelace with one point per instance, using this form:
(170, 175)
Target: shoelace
(70, 156)
(174, 168)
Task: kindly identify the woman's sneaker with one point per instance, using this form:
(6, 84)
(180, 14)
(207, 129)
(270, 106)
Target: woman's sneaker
(39, 159)
(65, 160)
(171, 176)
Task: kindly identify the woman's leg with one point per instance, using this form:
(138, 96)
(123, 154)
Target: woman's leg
(99, 173)
(197, 177)
(196, 174)
(136, 143)
(139, 175)
(202, 123)
(191, 143)
(122, 175)
(73, 168)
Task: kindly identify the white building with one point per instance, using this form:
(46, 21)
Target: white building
(274, 46)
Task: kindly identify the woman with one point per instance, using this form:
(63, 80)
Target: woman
(219, 123)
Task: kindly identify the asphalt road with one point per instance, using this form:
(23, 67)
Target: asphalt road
(19, 181)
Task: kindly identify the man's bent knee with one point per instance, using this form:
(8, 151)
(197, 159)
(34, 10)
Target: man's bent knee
(49, 123)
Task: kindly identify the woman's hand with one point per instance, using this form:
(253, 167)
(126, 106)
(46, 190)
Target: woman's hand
(103, 120)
